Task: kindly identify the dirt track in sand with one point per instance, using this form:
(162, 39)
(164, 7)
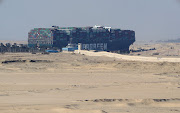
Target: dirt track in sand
(128, 57)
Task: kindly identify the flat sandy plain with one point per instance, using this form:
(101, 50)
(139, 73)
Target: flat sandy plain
(75, 83)
(164, 49)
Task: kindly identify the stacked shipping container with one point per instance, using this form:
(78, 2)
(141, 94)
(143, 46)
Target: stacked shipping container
(40, 37)
(116, 39)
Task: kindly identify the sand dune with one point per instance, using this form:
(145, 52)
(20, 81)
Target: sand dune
(75, 83)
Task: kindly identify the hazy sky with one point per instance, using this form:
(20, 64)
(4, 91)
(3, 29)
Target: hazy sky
(151, 19)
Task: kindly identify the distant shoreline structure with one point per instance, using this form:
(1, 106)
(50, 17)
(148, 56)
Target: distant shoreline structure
(14, 41)
(170, 41)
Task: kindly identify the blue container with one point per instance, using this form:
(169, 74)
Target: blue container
(52, 51)
(69, 49)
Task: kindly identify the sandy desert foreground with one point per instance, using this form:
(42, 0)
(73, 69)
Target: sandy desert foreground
(75, 83)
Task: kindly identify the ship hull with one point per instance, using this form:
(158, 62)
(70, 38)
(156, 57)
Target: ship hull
(119, 46)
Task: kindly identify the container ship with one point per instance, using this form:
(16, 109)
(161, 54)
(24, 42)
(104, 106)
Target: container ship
(91, 38)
